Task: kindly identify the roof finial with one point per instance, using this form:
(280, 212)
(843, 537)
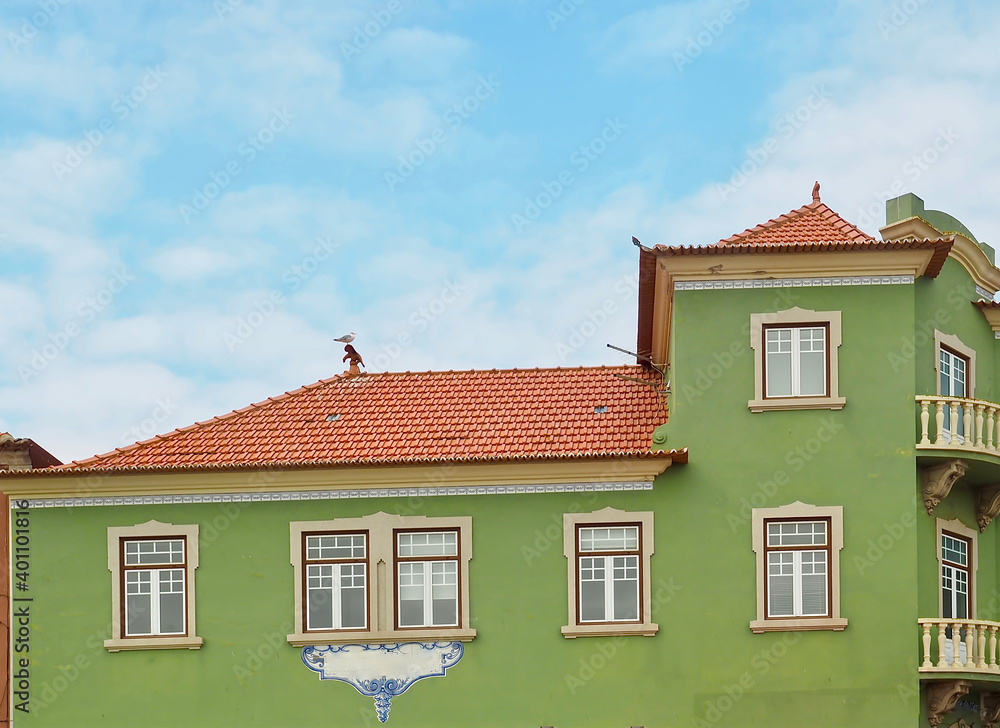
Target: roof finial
(816, 192)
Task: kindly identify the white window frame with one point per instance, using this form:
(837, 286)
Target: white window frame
(799, 512)
(117, 536)
(427, 564)
(336, 577)
(796, 318)
(382, 580)
(608, 517)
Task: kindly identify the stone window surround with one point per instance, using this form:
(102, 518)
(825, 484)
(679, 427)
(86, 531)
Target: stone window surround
(957, 527)
(116, 534)
(799, 510)
(796, 317)
(610, 516)
(949, 341)
(381, 584)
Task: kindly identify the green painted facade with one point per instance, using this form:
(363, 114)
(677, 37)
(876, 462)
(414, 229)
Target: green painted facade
(703, 668)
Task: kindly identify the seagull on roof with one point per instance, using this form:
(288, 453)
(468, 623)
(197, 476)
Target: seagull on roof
(346, 338)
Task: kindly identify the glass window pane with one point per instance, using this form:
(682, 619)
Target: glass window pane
(445, 612)
(626, 598)
(411, 612)
(617, 538)
(352, 608)
(428, 544)
(320, 609)
(780, 592)
(592, 601)
(779, 375)
(812, 374)
(138, 614)
(172, 613)
(336, 546)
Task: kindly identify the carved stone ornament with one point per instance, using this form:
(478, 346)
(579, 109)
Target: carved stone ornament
(942, 696)
(989, 709)
(382, 671)
(938, 480)
(987, 505)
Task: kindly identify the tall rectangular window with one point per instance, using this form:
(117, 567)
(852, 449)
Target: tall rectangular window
(427, 573)
(797, 555)
(336, 581)
(153, 578)
(953, 369)
(795, 362)
(955, 576)
(608, 566)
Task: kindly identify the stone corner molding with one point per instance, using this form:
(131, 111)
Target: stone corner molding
(942, 696)
(987, 505)
(938, 481)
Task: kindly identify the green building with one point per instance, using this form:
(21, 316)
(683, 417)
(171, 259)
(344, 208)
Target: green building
(806, 540)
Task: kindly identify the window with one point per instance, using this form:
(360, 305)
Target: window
(381, 578)
(798, 567)
(427, 571)
(957, 553)
(956, 377)
(609, 581)
(336, 581)
(152, 586)
(795, 360)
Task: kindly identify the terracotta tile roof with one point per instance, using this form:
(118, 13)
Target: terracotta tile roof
(940, 246)
(420, 418)
(812, 223)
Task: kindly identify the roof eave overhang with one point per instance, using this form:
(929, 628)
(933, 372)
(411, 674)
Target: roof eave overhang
(971, 257)
(282, 477)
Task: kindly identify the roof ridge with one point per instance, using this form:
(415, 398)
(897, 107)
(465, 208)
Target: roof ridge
(827, 215)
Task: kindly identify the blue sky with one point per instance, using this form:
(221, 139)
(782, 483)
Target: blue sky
(196, 197)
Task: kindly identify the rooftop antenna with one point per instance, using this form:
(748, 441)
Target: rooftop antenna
(642, 357)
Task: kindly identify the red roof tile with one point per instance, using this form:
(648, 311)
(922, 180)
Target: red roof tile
(812, 223)
(415, 418)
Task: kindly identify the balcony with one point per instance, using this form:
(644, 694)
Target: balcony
(946, 421)
(960, 645)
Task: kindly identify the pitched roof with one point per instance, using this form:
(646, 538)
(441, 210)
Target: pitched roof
(812, 223)
(420, 418)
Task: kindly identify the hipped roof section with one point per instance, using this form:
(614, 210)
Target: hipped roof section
(421, 418)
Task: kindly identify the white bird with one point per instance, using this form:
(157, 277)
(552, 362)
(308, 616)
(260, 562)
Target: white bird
(346, 338)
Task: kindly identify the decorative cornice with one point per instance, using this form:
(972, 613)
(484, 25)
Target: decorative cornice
(260, 497)
(938, 481)
(983, 293)
(942, 696)
(792, 282)
(987, 505)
